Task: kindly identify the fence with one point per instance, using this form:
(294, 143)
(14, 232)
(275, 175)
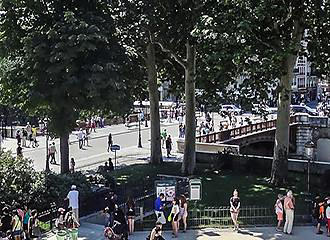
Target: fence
(240, 131)
(220, 217)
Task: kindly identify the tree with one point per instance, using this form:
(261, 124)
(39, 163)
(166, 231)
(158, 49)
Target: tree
(269, 38)
(138, 24)
(64, 58)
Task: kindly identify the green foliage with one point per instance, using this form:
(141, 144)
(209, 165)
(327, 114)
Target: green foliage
(22, 184)
(64, 59)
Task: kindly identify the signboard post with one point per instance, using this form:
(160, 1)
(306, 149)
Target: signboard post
(195, 188)
(168, 187)
(115, 148)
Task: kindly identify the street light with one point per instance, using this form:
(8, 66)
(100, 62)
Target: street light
(146, 116)
(309, 151)
(46, 120)
(139, 119)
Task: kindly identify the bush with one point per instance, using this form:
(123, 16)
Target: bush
(21, 183)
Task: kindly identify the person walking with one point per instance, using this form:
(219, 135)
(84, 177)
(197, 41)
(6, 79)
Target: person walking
(163, 136)
(327, 214)
(18, 137)
(235, 205)
(183, 205)
(80, 136)
(73, 164)
(19, 151)
(16, 225)
(159, 208)
(73, 197)
(279, 211)
(289, 213)
(34, 137)
(130, 214)
(174, 217)
(24, 137)
(27, 215)
(168, 145)
(110, 142)
(52, 151)
(33, 225)
(1, 140)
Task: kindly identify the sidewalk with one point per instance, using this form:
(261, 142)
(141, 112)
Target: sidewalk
(95, 232)
(115, 130)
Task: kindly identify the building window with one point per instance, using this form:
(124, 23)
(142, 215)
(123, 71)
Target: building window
(301, 82)
(302, 70)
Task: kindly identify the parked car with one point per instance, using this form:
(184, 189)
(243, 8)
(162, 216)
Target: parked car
(303, 109)
(228, 109)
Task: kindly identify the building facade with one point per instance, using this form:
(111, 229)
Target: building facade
(304, 83)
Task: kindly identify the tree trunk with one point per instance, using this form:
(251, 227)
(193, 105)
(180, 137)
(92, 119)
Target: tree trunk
(64, 149)
(189, 159)
(279, 172)
(156, 151)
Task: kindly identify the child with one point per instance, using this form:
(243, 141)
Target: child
(279, 211)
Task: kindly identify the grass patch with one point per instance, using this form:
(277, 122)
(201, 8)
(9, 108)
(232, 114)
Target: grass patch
(217, 186)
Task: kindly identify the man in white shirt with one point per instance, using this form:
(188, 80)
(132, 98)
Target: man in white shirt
(73, 197)
(80, 136)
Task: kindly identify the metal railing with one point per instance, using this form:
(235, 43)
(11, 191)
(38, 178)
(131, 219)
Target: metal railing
(228, 134)
(220, 217)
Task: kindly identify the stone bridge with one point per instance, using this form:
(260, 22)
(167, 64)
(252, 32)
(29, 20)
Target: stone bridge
(258, 138)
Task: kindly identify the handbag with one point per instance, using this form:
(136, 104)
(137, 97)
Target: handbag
(169, 218)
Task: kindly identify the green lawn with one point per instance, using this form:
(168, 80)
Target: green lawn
(217, 186)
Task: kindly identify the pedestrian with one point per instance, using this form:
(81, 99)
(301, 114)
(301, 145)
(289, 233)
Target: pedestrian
(52, 151)
(109, 141)
(60, 221)
(156, 232)
(73, 164)
(279, 211)
(163, 136)
(1, 140)
(130, 214)
(19, 151)
(159, 208)
(183, 205)
(70, 219)
(5, 220)
(24, 137)
(27, 215)
(86, 137)
(111, 167)
(168, 145)
(16, 225)
(318, 213)
(289, 213)
(33, 225)
(73, 197)
(327, 214)
(235, 205)
(80, 136)
(174, 217)
(181, 131)
(110, 201)
(34, 137)
(18, 137)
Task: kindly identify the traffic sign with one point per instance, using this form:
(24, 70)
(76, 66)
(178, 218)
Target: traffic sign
(114, 148)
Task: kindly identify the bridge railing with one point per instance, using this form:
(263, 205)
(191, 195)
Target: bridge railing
(227, 134)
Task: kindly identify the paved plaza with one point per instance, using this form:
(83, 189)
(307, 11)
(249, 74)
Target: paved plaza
(95, 232)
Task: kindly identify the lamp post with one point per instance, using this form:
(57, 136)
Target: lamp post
(146, 116)
(139, 119)
(309, 151)
(47, 138)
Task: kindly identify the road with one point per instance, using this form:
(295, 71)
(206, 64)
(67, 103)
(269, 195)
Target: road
(96, 153)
